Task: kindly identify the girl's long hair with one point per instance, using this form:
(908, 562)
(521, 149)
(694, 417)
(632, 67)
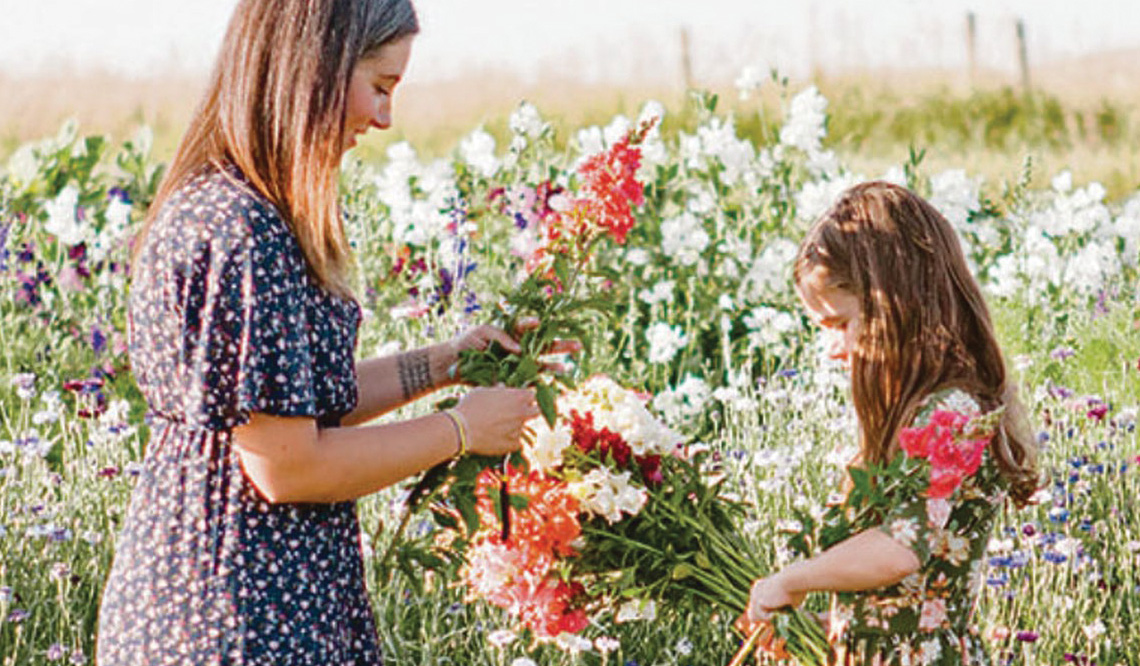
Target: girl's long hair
(274, 108)
(925, 325)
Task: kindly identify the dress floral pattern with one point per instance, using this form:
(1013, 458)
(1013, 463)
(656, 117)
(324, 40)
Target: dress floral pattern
(925, 619)
(226, 321)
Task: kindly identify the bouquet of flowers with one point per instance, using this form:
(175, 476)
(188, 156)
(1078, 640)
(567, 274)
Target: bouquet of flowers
(607, 513)
(562, 289)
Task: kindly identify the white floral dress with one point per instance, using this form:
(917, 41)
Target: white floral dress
(925, 619)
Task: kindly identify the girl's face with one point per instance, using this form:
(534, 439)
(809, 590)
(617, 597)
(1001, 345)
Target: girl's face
(835, 310)
(370, 89)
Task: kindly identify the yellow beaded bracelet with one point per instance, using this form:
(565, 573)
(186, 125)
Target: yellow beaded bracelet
(460, 423)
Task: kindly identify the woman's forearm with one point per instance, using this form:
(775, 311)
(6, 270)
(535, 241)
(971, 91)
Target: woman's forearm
(387, 382)
(291, 460)
(866, 561)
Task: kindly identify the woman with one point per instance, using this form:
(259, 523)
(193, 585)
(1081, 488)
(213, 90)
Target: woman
(241, 545)
(884, 272)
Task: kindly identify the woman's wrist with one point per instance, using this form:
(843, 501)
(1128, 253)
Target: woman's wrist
(462, 431)
(444, 364)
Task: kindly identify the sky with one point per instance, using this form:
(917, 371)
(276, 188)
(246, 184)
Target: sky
(594, 40)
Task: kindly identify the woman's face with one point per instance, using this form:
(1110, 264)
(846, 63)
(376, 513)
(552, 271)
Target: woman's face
(836, 311)
(370, 89)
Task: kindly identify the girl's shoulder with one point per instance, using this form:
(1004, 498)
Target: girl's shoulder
(953, 400)
(954, 406)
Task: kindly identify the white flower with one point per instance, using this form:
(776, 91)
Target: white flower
(804, 127)
(636, 609)
(546, 450)
(1095, 630)
(606, 644)
(63, 218)
(664, 342)
(930, 652)
(573, 643)
(526, 121)
(684, 647)
(478, 151)
(25, 383)
(602, 493)
(817, 196)
(1063, 182)
(661, 292)
(1087, 271)
(501, 638)
(683, 239)
(524, 661)
(685, 401)
(771, 271)
(748, 81)
(637, 256)
(767, 327)
(955, 195)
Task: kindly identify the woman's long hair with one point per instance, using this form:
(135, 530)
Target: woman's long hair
(274, 108)
(925, 325)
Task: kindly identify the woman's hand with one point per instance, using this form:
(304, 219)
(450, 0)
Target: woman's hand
(496, 418)
(769, 595)
(480, 337)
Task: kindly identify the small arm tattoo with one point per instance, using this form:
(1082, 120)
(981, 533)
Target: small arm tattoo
(415, 373)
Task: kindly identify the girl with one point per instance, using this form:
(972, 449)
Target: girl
(241, 546)
(885, 272)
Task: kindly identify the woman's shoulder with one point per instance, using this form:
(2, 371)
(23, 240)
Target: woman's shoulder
(218, 207)
(219, 199)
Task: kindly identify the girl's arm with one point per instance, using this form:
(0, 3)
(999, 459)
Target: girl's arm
(866, 561)
(289, 459)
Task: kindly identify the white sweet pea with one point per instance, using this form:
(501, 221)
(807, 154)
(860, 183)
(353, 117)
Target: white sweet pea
(63, 218)
(478, 151)
(664, 342)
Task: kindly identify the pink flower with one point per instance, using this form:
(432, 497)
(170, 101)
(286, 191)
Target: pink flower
(933, 615)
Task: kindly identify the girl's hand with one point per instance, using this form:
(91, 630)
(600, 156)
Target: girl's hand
(769, 595)
(496, 418)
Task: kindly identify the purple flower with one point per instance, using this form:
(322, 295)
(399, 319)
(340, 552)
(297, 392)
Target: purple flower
(120, 194)
(78, 658)
(1027, 636)
(98, 340)
(55, 652)
(1062, 352)
(18, 615)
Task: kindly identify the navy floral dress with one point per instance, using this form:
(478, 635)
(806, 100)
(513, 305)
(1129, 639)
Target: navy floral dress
(226, 321)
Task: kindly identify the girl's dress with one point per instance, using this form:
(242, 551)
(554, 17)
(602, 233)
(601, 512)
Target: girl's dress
(225, 321)
(925, 619)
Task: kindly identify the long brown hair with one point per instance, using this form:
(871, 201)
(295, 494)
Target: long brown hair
(924, 323)
(274, 108)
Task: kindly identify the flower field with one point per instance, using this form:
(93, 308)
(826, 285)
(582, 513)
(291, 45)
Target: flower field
(699, 320)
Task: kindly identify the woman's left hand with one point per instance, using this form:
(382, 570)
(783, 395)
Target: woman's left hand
(480, 337)
(769, 595)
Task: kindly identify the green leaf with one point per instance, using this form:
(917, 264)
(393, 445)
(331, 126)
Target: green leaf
(545, 394)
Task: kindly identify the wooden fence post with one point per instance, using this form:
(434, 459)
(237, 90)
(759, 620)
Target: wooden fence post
(972, 47)
(1023, 56)
(686, 59)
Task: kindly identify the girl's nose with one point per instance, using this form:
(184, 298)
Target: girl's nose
(383, 116)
